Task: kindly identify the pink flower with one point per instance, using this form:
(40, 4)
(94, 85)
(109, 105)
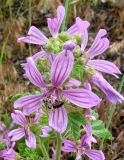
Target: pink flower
(85, 146)
(35, 36)
(60, 70)
(24, 131)
(112, 95)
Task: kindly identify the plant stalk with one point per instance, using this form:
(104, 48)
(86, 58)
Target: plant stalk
(113, 109)
(30, 20)
(43, 149)
(58, 149)
(64, 24)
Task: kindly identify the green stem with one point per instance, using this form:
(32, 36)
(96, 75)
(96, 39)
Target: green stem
(64, 24)
(43, 149)
(58, 149)
(113, 110)
(30, 19)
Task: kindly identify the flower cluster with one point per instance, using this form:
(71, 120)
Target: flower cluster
(54, 71)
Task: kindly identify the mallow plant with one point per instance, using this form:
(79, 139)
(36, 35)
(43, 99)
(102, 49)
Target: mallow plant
(60, 119)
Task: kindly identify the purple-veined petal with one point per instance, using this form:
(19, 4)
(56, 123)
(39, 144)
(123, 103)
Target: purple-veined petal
(36, 118)
(51, 58)
(45, 130)
(8, 154)
(58, 119)
(73, 30)
(112, 95)
(33, 74)
(80, 27)
(34, 36)
(104, 66)
(99, 45)
(19, 118)
(61, 67)
(82, 97)
(68, 146)
(94, 154)
(17, 134)
(29, 103)
(39, 55)
(88, 129)
(89, 138)
(83, 143)
(55, 23)
(73, 83)
(83, 27)
(31, 140)
(87, 85)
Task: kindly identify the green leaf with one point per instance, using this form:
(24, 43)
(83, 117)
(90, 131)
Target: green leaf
(77, 71)
(27, 153)
(99, 129)
(44, 120)
(76, 120)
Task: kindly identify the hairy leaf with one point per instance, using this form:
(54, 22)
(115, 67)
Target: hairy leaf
(76, 120)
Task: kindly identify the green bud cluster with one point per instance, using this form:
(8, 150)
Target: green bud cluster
(89, 72)
(56, 45)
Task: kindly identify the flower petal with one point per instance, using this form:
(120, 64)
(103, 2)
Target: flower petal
(45, 130)
(112, 95)
(30, 104)
(73, 83)
(8, 154)
(94, 154)
(68, 146)
(87, 85)
(39, 55)
(55, 23)
(88, 129)
(58, 119)
(16, 134)
(36, 118)
(99, 45)
(80, 27)
(35, 36)
(31, 140)
(89, 138)
(61, 67)
(82, 97)
(33, 74)
(19, 118)
(104, 66)
(51, 58)
(83, 27)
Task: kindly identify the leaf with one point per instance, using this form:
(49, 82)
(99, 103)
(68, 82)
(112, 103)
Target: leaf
(99, 129)
(76, 120)
(77, 72)
(44, 120)
(29, 154)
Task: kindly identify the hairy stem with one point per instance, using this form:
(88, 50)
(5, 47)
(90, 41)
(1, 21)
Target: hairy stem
(43, 149)
(58, 148)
